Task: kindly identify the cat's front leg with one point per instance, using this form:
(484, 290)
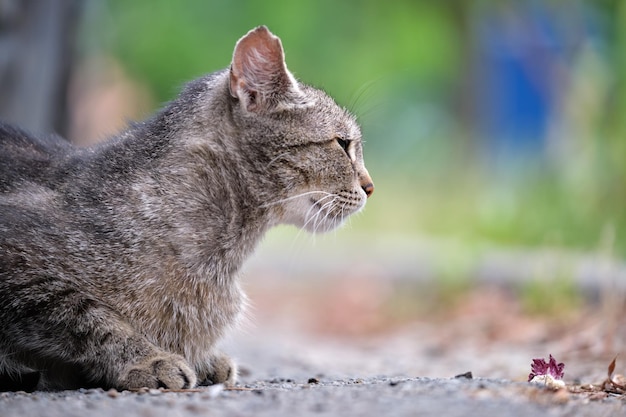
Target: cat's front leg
(124, 362)
(77, 340)
(217, 369)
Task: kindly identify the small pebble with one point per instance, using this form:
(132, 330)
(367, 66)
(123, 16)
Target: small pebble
(113, 393)
(313, 381)
(153, 391)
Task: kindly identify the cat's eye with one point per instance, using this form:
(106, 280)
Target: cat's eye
(344, 144)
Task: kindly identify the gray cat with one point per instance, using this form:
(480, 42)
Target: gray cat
(118, 263)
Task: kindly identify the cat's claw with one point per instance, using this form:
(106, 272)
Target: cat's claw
(164, 371)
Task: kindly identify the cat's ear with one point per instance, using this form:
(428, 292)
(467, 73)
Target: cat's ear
(259, 77)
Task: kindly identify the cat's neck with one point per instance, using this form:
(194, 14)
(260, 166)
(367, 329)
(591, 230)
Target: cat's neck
(198, 198)
(207, 193)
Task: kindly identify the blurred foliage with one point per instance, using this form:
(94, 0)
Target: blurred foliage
(556, 297)
(339, 46)
(409, 70)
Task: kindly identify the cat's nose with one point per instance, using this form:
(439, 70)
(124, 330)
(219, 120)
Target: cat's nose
(366, 182)
(368, 188)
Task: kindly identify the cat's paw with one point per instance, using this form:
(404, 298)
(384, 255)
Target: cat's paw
(162, 371)
(220, 369)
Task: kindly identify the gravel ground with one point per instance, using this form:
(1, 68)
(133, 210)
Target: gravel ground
(296, 376)
(346, 397)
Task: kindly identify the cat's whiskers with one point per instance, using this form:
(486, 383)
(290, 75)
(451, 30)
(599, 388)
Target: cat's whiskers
(342, 217)
(317, 221)
(343, 211)
(317, 204)
(368, 100)
(312, 216)
(356, 214)
(316, 217)
(329, 211)
(308, 219)
(293, 197)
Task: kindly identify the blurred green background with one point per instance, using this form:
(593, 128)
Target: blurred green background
(489, 125)
(496, 122)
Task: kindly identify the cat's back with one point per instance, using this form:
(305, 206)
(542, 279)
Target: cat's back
(27, 158)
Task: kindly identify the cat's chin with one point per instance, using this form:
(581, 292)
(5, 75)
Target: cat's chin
(328, 225)
(323, 214)
(322, 226)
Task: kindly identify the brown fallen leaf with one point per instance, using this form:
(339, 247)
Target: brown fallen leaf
(612, 368)
(611, 385)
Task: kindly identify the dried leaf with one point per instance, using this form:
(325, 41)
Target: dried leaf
(611, 385)
(612, 368)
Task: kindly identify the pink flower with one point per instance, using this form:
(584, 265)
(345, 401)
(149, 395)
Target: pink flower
(541, 367)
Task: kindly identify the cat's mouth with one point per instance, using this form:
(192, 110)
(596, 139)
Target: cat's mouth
(330, 211)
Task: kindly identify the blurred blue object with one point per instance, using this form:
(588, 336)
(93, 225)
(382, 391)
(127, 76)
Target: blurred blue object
(523, 50)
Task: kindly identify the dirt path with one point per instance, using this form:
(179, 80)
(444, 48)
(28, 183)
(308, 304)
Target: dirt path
(284, 375)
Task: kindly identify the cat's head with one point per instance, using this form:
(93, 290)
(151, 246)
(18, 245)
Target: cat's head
(309, 149)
